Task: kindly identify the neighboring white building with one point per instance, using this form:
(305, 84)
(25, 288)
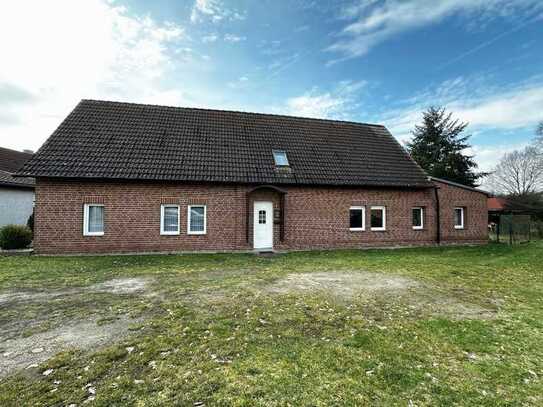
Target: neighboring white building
(16, 194)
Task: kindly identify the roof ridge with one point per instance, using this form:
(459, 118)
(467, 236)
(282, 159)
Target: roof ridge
(234, 111)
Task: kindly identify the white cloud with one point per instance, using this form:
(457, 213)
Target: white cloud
(75, 50)
(213, 10)
(488, 156)
(203, 7)
(336, 104)
(372, 22)
(210, 38)
(241, 82)
(516, 108)
(233, 38)
(485, 108)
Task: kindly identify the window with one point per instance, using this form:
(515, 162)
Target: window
(357, 218)
(378, 218)
(280, 158)
(169, 219)
(418, 218)
(93, 220)
(459, 218)
(196, 220)
(261, 217)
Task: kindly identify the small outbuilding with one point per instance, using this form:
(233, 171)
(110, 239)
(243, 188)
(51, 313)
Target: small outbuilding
(16, 194)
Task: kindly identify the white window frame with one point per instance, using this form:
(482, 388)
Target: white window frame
(462, 214)
(384, 227)
(203, 232)
(421, 209)
(363, 209)
(86, 231)
(168, 232)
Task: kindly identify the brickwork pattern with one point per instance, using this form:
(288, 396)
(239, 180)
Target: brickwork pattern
(316, 217)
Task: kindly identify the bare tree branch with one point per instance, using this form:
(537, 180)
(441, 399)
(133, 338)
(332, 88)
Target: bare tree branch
(519, 172)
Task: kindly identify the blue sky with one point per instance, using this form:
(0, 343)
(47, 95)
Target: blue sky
(364, 60)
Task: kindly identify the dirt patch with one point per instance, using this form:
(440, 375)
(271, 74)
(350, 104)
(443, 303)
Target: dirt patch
(343, 284)
(121, 286)
(419, 297)
(27, 353)
(115, 286)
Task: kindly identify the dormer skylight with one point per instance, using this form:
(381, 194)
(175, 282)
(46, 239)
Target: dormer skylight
(280, 158)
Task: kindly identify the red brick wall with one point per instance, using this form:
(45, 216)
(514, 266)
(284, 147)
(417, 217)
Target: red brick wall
(315, 217)
(475, 214)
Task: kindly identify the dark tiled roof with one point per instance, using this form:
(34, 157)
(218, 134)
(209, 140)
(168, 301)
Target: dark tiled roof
(7, 180)
(12, 160)
(130, 141)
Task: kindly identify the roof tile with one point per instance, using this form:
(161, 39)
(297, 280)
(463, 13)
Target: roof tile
(101, 139)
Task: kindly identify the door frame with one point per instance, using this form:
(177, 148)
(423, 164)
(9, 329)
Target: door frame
(269, 221)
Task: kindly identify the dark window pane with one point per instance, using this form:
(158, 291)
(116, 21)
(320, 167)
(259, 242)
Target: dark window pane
(417, 217)
(96, 219)
(355, 219)
(197, 219)
(262, 217)
(171, 219)
(458, 217)
(377, 218)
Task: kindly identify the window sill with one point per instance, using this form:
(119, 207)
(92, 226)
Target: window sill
(357, 229)
(94, 234)
(196, 233)
(418, 228)
(169, 233)
(459, 227)
(378, 229)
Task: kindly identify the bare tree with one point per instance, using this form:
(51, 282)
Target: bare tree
(519, 172)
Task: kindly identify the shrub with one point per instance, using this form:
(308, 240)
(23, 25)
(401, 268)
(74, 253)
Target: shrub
(15, 237)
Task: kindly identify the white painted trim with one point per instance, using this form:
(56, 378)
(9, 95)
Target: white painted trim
(170, 233)
(421, 218)
(363, 209)
(205, 220)
(461, 226)
(384, 209)
(86, 221)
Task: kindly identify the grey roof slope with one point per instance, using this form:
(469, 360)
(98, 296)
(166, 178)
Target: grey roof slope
(114, 140)
(8, 180)
(12, 160)
(456, 184)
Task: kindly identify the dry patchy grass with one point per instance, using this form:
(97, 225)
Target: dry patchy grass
(428, 326)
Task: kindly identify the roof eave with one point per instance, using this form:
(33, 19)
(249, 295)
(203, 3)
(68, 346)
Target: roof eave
(421, 185)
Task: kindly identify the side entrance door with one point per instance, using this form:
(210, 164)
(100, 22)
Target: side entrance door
(263, 225)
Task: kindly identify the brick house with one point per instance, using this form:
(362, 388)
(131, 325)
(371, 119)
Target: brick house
(122, 177)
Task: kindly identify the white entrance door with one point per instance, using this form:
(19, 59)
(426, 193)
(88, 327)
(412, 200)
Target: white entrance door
(263, 225)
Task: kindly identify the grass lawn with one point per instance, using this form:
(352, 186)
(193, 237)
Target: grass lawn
(429, 326)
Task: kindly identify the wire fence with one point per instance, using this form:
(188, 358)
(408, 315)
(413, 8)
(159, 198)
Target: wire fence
(515, 229)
